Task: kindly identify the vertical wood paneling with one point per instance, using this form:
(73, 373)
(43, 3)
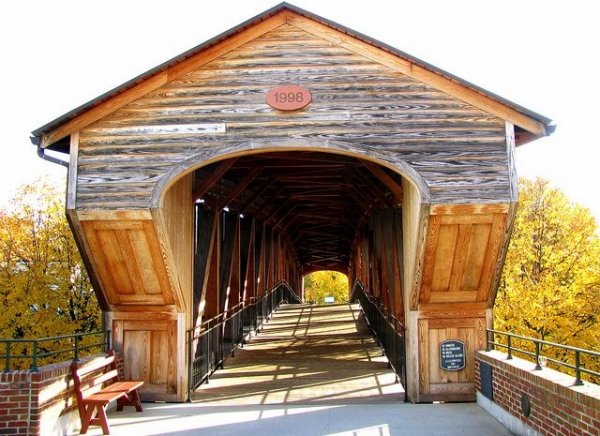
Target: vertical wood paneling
(178, 213)
(444, 257)
(138, 249)
(461, 252)
(415, 223)
(436, 382)
(475, 256)
(422, 345)
(72, 172)
(115, 260)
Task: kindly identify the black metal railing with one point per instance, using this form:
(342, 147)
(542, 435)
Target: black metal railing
(31, 353)
(537, 351)
(386, 328)
(217, 338)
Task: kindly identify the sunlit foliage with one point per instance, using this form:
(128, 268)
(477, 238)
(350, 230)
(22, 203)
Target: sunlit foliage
(550, 288)
(44, 287)
(321, 284)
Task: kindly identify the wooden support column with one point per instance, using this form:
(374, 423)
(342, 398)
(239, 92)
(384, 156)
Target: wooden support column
(260, 260)
(381, 254)
(210, 285)
(205, 228)
(246, 255)
(397, 259)
(234, 283)
(228, 238)
(366, 259)
(375, 284)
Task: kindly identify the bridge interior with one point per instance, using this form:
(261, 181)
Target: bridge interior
(318, 200)
(282, 215)
(306, 354)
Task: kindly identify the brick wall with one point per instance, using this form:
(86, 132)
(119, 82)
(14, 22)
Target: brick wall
(556, 406)
(40, 403)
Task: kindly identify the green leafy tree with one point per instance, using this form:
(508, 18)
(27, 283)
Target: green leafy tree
(550, 288)
(321, 284)
(44, 287)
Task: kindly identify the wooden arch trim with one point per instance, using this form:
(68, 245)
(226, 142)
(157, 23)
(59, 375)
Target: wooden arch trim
(217, 154)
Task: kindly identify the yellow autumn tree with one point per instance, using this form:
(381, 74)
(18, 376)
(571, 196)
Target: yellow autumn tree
(44, 287)
(550, 287)
(321, 284)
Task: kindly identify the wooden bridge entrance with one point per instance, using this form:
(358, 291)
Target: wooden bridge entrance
(288, 145)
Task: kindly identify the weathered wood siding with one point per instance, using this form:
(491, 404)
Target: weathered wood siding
(459, 150)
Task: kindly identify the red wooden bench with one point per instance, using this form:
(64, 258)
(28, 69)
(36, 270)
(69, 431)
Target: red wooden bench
(96, 385)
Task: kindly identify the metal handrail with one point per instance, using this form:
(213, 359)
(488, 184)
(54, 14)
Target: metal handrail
(537, 355)
(387, 329)
(385, 313)
(210, 342)
(37, 348)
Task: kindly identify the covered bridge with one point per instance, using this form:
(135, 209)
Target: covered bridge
(288, 145)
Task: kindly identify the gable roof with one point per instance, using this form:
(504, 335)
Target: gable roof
(529, 125)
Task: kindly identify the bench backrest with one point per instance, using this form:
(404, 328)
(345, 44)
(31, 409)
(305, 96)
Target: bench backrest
(92, 377)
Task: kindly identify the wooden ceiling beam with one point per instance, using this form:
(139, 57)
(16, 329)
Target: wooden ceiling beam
(207, 183)
(372, 187)
(240, 187)
(262, 215)
(275, 214)
(387, 180)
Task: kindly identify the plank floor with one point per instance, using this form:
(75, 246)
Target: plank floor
(306, 355)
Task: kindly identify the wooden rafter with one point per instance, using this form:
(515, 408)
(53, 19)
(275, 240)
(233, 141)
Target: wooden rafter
(213, 178)
(240, 187)
(385, 178)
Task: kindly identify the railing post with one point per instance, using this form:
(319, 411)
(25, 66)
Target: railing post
(578, 381)
(509, 349)
(487, 340)
(7, 357)
(538, 367)
(34, 357)
(76, 350)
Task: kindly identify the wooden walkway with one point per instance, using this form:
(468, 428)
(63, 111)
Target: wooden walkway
(306, 355)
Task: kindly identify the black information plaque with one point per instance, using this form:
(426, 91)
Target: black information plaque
(452, 355)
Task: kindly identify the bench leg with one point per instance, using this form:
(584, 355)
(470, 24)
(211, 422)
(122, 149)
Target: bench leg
(100, 419)
(135, 400)
(86, 418)
(130, 399)
(103, 419)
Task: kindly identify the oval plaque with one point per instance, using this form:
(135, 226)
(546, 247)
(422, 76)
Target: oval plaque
(288, 97)
(452, 355)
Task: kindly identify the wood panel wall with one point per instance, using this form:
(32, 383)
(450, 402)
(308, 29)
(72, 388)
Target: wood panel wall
(176, 218)
(129, 261)
(462, 252)
(459, 150)
(435, 383)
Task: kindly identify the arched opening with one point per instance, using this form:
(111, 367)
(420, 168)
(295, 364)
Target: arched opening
(267, 217)
(263, 217)
(326, 287)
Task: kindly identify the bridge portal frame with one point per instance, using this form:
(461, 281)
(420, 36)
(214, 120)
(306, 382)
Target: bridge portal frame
(442, 144)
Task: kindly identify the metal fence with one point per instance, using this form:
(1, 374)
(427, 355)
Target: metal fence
(32, 353)
(576, 359)
(217, 338)
(386, 328)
